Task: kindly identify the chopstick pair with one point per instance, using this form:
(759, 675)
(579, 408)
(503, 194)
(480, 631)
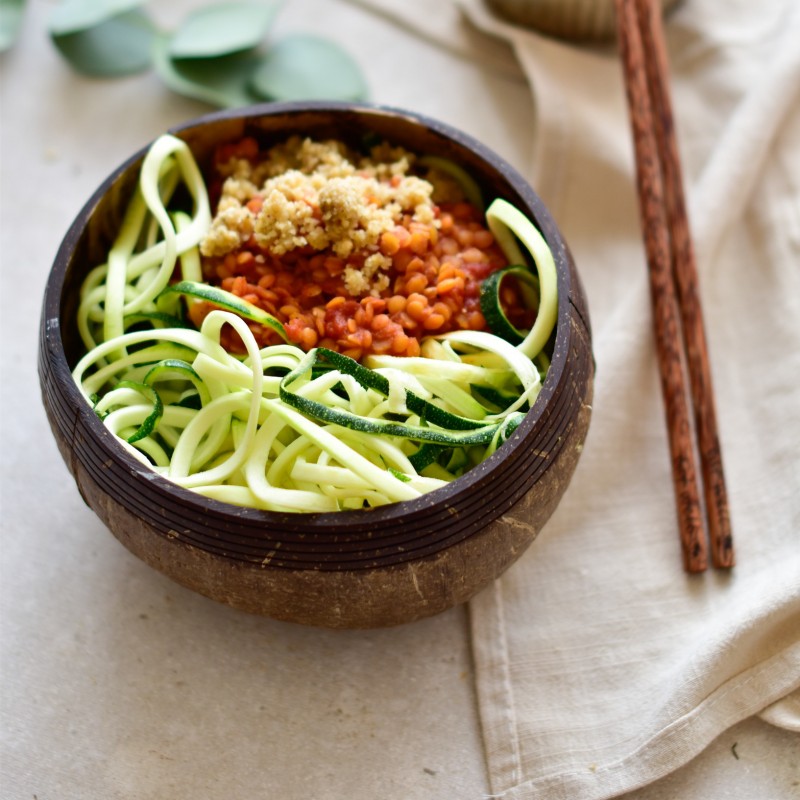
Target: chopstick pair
(678, 319)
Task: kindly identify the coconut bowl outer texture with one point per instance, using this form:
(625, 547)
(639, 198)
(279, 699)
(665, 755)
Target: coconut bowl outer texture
(352, 569)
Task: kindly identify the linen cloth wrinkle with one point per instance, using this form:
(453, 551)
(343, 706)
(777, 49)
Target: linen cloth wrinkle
(499, 695)
(617, 667)
(731, 173)
(442, 25)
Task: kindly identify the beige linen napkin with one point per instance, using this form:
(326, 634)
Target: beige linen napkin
(600, 665)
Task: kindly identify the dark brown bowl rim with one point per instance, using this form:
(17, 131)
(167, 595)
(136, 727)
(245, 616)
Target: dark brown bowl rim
(356, 520)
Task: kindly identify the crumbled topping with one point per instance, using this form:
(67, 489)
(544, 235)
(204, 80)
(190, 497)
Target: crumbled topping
(319, 195)
(231, 227)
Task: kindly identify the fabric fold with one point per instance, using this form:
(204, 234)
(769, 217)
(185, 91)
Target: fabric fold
(785, 713)
(444, 26)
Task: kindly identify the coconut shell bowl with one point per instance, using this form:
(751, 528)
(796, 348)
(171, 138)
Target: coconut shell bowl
(365, 568)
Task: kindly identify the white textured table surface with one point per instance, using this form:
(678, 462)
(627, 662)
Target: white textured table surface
(117, 683)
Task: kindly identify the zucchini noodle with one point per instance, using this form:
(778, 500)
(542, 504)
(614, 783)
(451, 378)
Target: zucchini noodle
(278, 428)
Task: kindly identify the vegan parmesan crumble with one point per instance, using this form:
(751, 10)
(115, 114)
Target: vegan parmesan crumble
(319, 196)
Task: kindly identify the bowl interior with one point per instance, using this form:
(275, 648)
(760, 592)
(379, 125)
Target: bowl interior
(384, 536)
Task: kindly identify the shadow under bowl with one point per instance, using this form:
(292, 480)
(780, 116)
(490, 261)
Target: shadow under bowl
(350, 569)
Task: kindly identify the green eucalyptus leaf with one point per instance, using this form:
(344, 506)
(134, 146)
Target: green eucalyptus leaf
(221, 81)
(221, 29)
(302, 67)
(10, 21)
(71, 16)
(120, 45)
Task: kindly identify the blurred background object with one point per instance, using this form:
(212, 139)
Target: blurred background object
(579, 20)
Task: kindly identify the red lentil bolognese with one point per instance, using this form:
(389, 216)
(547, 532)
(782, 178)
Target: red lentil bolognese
(358, 254)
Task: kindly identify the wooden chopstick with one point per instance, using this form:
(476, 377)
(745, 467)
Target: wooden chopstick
(685, 270)
(677, 314)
